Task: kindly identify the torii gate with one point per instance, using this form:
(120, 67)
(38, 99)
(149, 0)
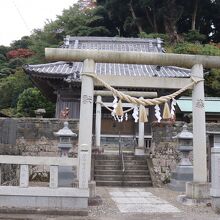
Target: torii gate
(196, 62)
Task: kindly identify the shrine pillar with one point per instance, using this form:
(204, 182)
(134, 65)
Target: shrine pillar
(86, 113)
(199, 188)
(98, 122)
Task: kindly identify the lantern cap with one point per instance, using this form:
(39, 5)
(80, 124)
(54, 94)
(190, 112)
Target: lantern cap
(65, 131)
(184, 134)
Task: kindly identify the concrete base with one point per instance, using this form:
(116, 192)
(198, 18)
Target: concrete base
(177, 185)
(188, 201)
(27, 211)
(198, 190)
(216, 204)
(139, 151)
(44, 198)
(92, 188)
(179, 177)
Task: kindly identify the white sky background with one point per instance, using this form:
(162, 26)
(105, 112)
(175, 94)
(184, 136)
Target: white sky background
(19, 17)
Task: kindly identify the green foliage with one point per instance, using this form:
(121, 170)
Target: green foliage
(16, 62)
(4, 50)
(24, 42)
(194, 36)
(164, 37)
(11, 87)
(212, 83)
(7, 71)
(190, 48)
(32, 99)
(2, 57)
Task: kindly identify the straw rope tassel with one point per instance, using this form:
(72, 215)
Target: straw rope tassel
(119, 109)
(166, 111)
(142, 114)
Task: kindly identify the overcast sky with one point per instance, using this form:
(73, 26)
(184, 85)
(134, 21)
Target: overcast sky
(19, 17)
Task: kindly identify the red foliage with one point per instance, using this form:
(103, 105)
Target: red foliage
(19, 53)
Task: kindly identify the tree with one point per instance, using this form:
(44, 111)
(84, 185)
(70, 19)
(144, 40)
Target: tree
(24, 42)
(11, 87)
(21, 52)
(30, 100)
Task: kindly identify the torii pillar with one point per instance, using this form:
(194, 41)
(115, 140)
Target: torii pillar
(86, 113)
(198, 189)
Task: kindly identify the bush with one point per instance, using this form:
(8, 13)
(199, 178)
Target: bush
(194, 36)
(32, 99)
(11, 87)
(164, 37)
(190, 48)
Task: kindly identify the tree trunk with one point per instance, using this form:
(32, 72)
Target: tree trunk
(171, 15)
(155, 20)
(194, 14)
(152, 21)
(140, 29)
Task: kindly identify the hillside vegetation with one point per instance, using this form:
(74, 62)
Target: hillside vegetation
(191, 27)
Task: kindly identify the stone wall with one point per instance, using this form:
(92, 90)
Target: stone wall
(33, 137)
(163, 151)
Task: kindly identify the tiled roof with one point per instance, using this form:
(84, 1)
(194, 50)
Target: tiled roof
(73, 69)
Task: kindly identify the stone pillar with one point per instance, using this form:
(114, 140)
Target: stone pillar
(24, 175)
(199, 188)
(53, 176)
(86, 110)
(215, 187)
(140, 149)
(83, 167)
(98, 120)
(199, 128)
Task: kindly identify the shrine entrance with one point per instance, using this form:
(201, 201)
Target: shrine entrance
(196, 83)
(126, 131)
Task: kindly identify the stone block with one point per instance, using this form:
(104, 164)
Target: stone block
(92, 189)
(198, 190)
(216, 204)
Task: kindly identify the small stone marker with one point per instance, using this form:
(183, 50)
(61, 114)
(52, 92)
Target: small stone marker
(53, 176)
(83, 168)
(24, 176)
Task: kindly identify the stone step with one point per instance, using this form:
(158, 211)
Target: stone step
(125, 183)
(122, 177)
(119, 162)
(118, 157)
(119, 172)
(119, 167)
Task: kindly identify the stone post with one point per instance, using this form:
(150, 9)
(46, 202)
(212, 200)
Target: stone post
(86, 111)
(98, 120)
(83, 167)
(199, 188)
(215, 189)
(140, 149)
(199, 129)
(0, 174)
(53, 176)
(24, 175)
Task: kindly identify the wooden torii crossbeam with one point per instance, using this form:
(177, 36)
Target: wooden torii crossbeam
(133, 57)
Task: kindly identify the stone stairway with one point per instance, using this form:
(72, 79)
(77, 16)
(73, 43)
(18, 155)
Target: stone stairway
(108, 171)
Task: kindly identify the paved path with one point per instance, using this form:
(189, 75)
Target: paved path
(137, 200)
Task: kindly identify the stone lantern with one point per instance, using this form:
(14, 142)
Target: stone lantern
(65, 135)
(184, 170)
(65, 174)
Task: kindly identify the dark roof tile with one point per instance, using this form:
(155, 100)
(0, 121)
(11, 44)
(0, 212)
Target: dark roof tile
(107, 43)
